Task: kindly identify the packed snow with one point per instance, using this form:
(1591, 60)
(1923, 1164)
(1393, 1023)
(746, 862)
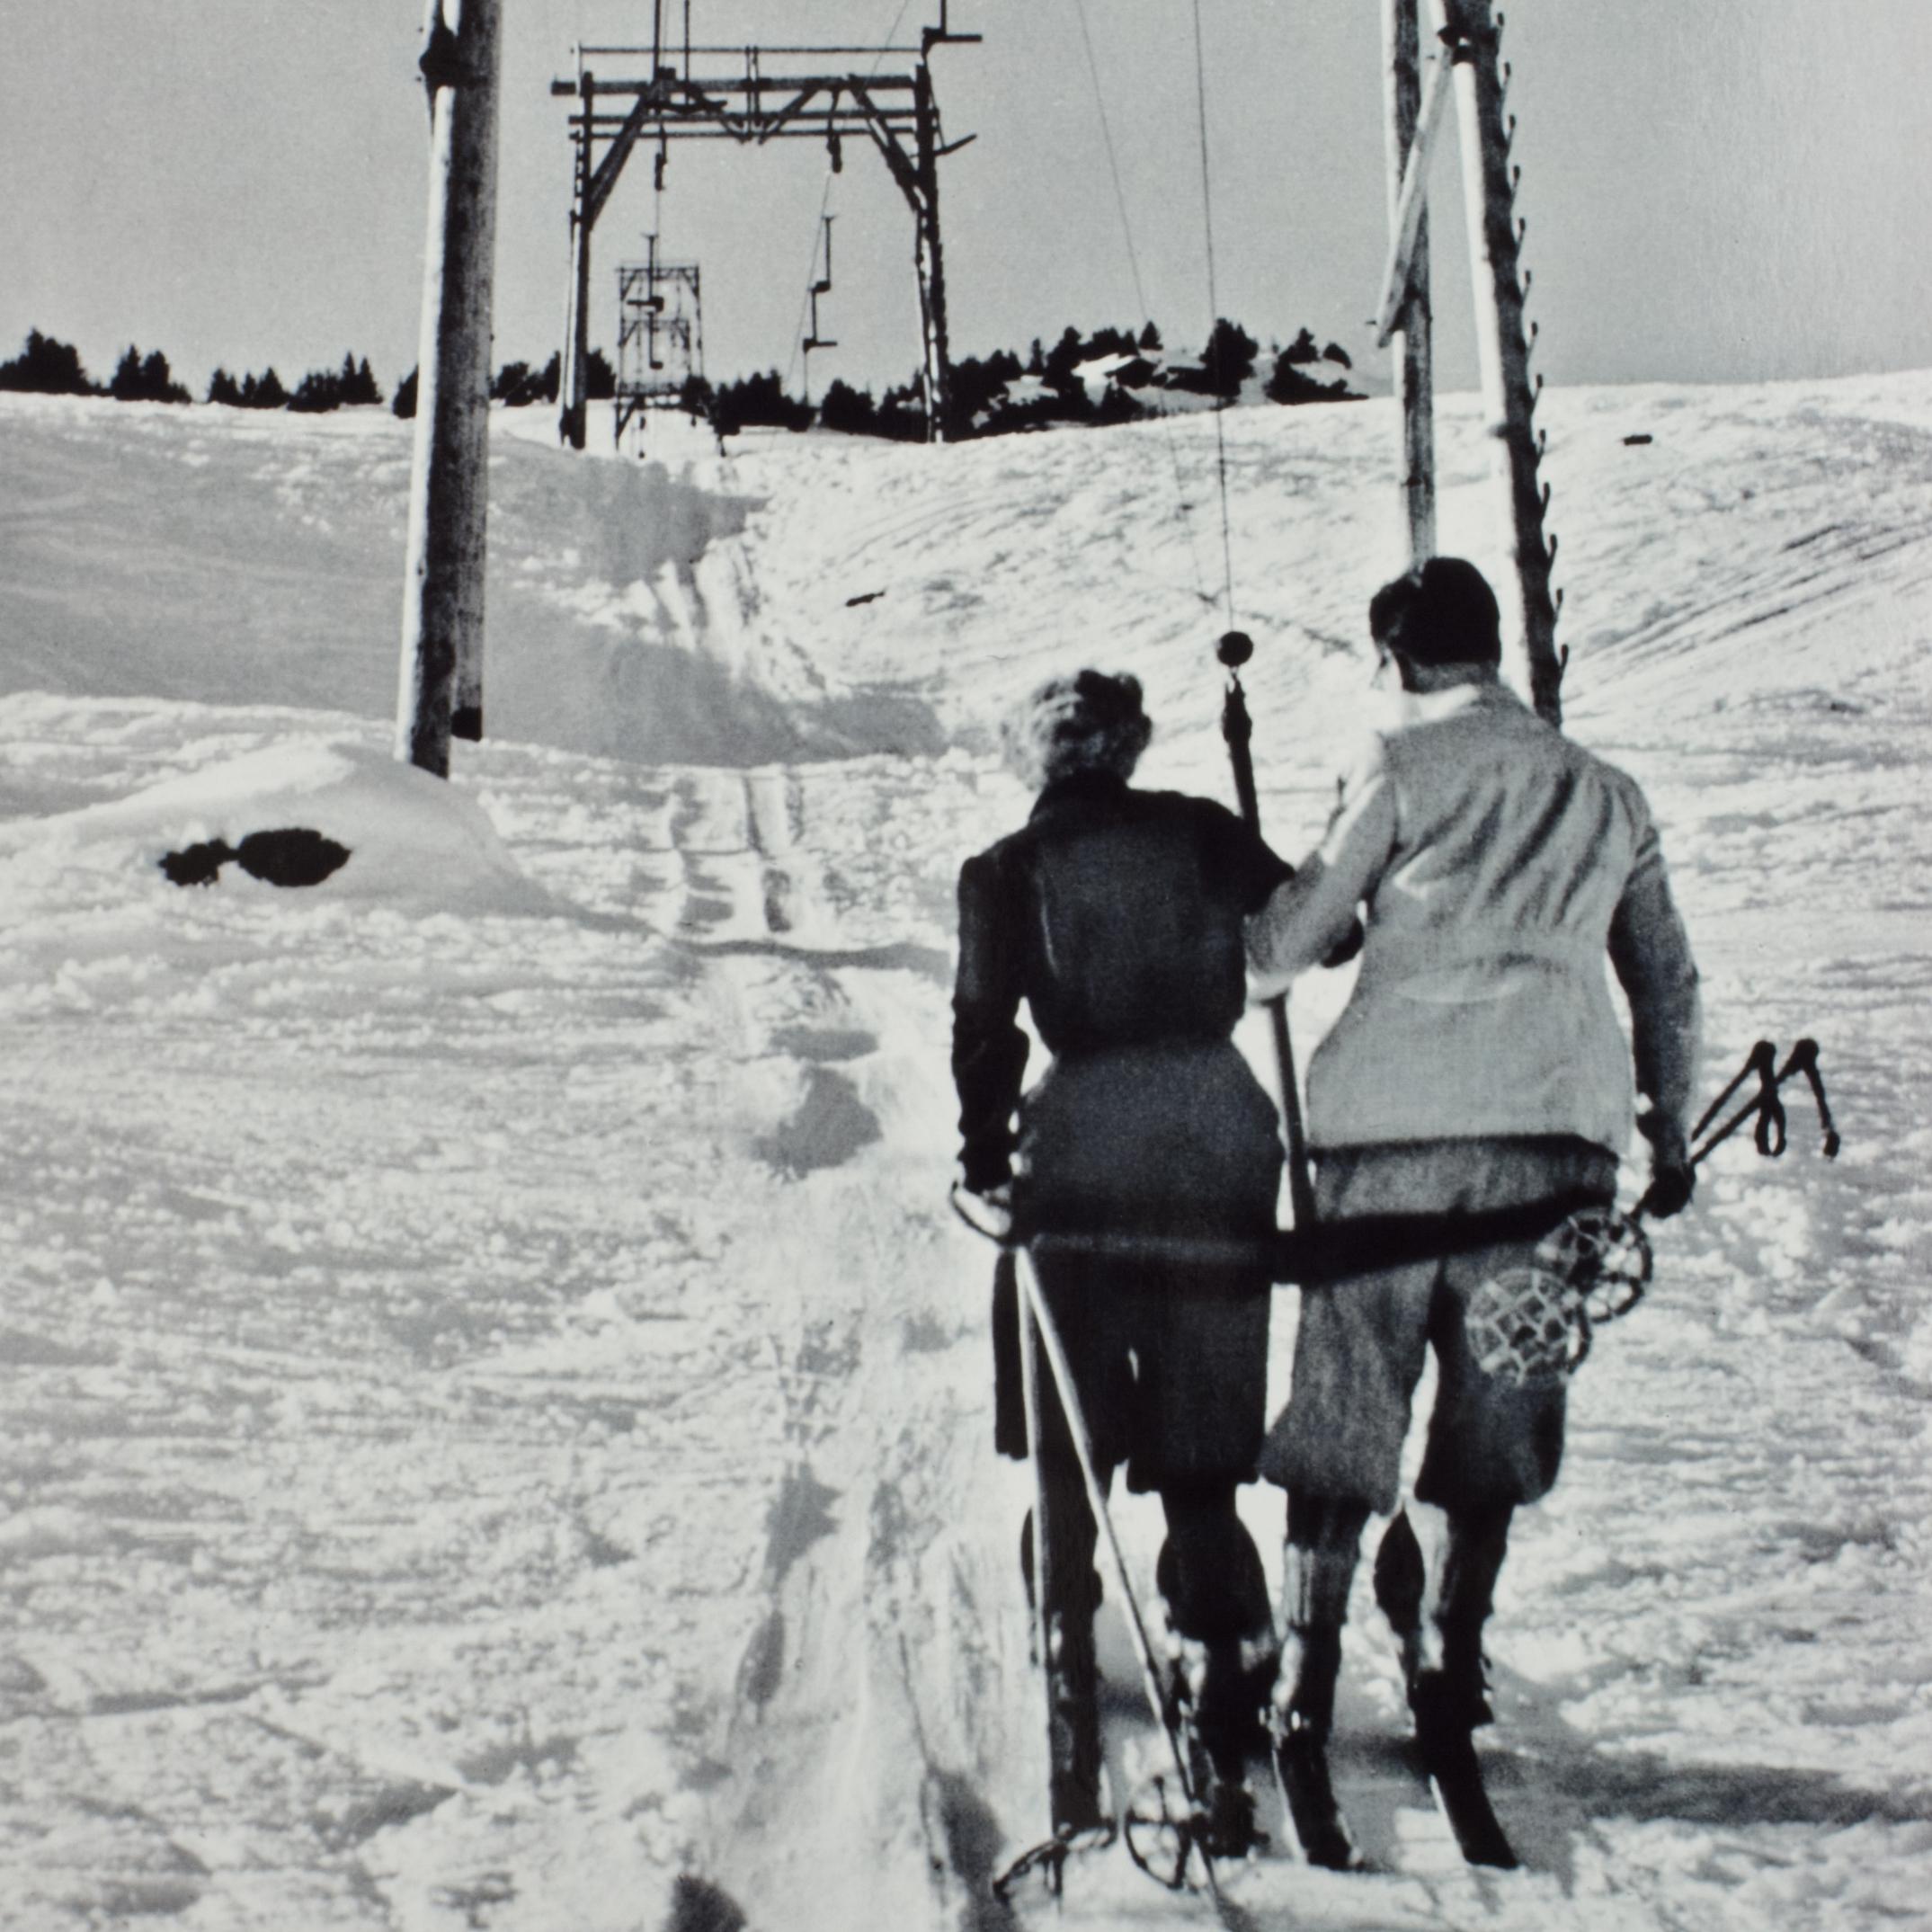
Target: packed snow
(495, 1426)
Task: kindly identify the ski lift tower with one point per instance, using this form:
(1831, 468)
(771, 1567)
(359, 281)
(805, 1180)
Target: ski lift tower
(660, 339)
(752, 95)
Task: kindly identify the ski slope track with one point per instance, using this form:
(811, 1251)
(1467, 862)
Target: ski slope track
(494, 1423)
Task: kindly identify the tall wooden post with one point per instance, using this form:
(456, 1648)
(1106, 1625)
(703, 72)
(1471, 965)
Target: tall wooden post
(931, 263)
(1413, 355)
(441, 692)
(577, 349)
(1509, 400)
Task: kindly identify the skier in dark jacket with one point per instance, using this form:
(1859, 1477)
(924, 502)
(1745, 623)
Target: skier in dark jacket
(1115, 914)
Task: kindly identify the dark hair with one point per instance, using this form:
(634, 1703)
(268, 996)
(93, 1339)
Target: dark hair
(1442, 613)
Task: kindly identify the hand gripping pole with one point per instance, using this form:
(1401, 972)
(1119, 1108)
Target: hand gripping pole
(1235, 649)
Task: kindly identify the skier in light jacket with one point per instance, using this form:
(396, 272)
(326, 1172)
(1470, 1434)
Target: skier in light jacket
(1479, 1065)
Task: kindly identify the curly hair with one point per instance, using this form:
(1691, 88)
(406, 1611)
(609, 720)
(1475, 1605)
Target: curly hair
(1091, 721)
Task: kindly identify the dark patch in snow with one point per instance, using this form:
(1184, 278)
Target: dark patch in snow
(1642, 436)
(148, 1898)
(494, 1766)
(393, 1804)
(19, 1349)
(831, 1125)
(806, 1042)
(761, 1668)
(697, 1905)
(1649, 1789)
(602, 1553)
(973, 1839)
(799, 1516)
(924, 1335)
(705, 1774)
(292, 856)
(904, 956)
(133, 1703)
(474, 1902)
(20, 1678)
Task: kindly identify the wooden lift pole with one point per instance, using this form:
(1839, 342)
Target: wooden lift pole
(927, 259)
(1413, 358)
(440, 694)
(1509, 400)
(583, 219)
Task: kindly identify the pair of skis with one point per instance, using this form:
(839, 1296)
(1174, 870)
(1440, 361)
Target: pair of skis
(1447, 1756)
(1176, 1835)
(1041, 1347)
(1301, 1759)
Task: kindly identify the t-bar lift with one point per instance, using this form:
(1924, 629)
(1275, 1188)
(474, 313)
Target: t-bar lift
(675, 102)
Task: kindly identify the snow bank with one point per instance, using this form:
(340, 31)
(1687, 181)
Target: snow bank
(412, 837)
(495, 1420)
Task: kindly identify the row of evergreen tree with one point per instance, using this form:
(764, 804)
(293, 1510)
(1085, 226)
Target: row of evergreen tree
(988, 394)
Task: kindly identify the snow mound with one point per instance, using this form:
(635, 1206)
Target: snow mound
(410, 836)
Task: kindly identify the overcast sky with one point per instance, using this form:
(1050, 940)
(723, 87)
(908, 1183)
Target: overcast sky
(1715, 189)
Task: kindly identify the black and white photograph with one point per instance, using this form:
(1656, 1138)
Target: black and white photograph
(965, 964)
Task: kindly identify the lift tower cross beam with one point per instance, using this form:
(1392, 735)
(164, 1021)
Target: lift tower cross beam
(676, 100)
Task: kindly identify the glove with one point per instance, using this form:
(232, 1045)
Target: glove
(1673, 1179)
(1669, 1191)
(987, 1210)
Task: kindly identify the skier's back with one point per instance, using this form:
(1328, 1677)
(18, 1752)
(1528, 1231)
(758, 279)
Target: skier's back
(1478, 1067)
(1116, 915)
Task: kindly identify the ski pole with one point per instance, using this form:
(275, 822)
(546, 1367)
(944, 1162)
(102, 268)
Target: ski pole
(1235, 649)
(1042, 1331)
(1029, 1384)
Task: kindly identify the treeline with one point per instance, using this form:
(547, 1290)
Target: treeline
(46, 367)
(1110, 376)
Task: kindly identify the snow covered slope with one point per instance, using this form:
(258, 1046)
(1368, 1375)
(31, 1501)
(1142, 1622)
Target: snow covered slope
(493, 1410)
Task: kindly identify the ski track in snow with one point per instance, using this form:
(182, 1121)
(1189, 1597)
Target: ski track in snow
(496, 1427)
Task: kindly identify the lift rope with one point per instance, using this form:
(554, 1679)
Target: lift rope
(1214, 307)
(1140, 290)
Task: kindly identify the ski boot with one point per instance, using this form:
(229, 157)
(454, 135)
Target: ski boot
(1300, 1719)
(1215, 1695)
(1443, 1667)
(1450, 1703)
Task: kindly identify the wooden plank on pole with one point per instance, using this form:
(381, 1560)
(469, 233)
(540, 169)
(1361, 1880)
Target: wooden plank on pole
(1412, 201)
(1414, 343)
(1502, 347)
(440, 690)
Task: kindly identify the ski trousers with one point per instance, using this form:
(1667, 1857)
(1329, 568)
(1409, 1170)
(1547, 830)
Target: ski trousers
(1364, 1339)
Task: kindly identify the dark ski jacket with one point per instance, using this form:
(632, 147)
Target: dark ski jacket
(1116, 915)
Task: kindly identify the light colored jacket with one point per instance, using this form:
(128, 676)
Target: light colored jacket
(1498, 864)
